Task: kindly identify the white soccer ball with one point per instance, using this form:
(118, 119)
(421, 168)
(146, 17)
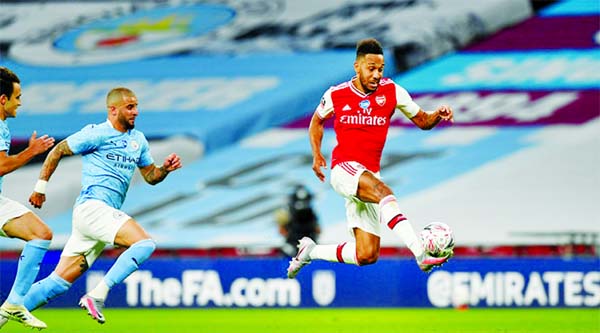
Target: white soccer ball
(437, 239)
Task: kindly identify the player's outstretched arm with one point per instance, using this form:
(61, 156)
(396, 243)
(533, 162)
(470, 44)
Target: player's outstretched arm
(38, 196)
(36, 146)
(154, 175)
(315, 135)
(428, 120)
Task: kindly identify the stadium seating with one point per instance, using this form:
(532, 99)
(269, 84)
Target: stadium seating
(226, 198)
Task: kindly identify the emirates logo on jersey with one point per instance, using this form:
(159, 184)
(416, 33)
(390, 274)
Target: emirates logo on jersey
(361, 119)
(380, 100)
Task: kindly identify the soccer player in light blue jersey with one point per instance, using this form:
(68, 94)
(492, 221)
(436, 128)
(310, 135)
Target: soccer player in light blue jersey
(17, 221)
(111, 152)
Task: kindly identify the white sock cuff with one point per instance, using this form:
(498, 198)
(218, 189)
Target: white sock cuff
(389, 211)
(346, 253)
(343, 252)
(387, 200)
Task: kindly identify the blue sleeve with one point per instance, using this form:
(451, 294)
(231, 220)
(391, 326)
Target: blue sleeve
(145, 157)
(86, 140)
(3, 145)
(4, 138)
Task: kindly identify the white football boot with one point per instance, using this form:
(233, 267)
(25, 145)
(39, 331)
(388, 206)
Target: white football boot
(305, 246)
(427, 262)
(20, 314)
(93, 307)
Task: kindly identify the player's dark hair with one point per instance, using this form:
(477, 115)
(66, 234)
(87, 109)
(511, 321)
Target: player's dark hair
(7, 80)
(368, 46)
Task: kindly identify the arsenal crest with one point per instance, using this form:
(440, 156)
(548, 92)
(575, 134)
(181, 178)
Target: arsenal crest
(380, 100)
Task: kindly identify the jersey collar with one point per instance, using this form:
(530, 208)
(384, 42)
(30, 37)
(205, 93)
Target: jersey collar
(355, 90)
(111, 126)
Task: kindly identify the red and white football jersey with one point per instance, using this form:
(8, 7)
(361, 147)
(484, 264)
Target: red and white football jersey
(362, 120)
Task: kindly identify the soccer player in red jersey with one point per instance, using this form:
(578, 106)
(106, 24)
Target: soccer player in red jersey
(362, 109)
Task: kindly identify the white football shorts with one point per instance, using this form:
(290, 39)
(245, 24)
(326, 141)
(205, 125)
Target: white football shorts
(359, 214)
(95, 225)
(10, 209)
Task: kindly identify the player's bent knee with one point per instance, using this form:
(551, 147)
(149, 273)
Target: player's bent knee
(40, 230)
(363, 259)
(44, 233)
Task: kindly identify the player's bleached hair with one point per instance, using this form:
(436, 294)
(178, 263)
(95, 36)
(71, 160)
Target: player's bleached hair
(368, 46)
(116, 94)
(7, 80)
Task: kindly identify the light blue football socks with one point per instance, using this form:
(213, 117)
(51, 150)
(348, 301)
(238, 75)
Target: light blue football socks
(27, 269)
(44, 290)
(127, 263)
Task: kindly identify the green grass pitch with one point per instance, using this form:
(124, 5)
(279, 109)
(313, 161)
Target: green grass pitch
(321, 320)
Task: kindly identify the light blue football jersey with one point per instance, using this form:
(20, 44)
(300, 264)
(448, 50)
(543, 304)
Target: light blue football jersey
(4, 143)
(109, 161)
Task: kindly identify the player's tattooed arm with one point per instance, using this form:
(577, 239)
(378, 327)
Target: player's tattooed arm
(38, 197)
(51, 162)
(153, 174)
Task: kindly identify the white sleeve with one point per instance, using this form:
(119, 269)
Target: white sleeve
(405, 103)
(326, 106)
